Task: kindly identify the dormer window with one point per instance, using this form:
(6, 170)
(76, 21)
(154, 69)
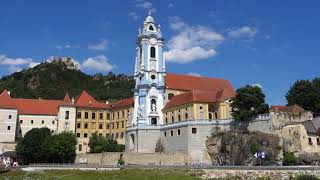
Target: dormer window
(153, 52)
(151, 28)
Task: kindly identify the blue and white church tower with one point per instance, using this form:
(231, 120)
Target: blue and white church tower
(143, 129)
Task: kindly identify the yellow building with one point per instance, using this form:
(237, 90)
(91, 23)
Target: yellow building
(192, 98)
(120, 113)
(92, 117)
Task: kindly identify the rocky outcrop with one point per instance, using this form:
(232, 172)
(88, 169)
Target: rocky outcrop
(236, 147)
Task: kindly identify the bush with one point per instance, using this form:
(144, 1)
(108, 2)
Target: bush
(120, 162)
(121, 148)
(306, 177)
(254, 147)
(289, 159)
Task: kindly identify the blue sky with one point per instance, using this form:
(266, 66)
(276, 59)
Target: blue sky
(269, 43)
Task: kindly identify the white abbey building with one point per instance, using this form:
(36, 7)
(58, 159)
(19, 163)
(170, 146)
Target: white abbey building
(177, 110)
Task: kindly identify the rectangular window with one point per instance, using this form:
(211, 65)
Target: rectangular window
(31, 121)
(67, 115)
(53, 122)
(80, 147)
(78, 125)
(318, 141)
(8, 128)
(100, 126)
(108, 116)
(310, 141)
(117, 125)
(101, 116)
(121, 135)
(108, 126)
(86, 125)
(107, 135)
(122, 124)
(165, 134)
(194, 130)
(117, 135)
(20, 131)
(42, 122)
(122, 114)
(86, 115)
(78, 134)
(171, 133)
(112, 135)
(112, 115)
(118, 115)
(93, 115)
(112, 125)
(178, 132)
(10, 116)
(79, 115)
(85, 135)
(21, 121)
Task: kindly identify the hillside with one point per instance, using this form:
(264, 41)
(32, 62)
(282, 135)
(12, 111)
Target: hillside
(51, 80)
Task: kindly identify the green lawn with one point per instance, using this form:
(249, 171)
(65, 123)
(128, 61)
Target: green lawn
(128, 174)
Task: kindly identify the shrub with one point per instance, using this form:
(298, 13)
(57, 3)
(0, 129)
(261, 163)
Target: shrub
(306, 177)
(120, 162)
(254, 147)
(289, 159)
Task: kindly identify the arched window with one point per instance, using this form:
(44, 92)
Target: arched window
(186, 116)
(216, 115)
(210, 116)
(170, 96)
(179, 117)
(153, 105)
(151, 28)
(172, 119)
(153, 52)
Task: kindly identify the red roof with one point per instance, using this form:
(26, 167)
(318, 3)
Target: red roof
(187, 83)
(278, 107)
(85, 100)
(6, 101)
(198, 96)
(67, 98)
(123, 103)
(38, 106)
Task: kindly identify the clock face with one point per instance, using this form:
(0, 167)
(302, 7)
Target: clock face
(153, 41)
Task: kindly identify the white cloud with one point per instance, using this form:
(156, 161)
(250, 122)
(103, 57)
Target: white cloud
(16, 64)
(13, 69)
(134, 15)
(195, 74)
(145, 5)
(243, 32)
(170, 5)
(98, 63)
(257, 85)
(61, 47)
(191, 42)
(101, 46)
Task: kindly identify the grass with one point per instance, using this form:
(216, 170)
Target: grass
(128, 174)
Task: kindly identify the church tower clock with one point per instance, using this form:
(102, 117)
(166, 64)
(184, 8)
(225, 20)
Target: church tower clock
(149, 90)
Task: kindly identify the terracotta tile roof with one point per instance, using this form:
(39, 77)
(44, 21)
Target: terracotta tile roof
(67, 98)
(293, 108)
(199, 96)
(6, 101)
(38, 106)
(85, 100)
(187, 82)
(123, 103)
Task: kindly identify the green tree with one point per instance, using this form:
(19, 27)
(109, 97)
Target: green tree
(100, 144)
(97, 143)
(289, 159)
(30, 146)
(60, 147)
(306, 94)
(248, 103)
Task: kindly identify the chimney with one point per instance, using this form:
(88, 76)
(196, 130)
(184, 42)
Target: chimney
(9, 93)
(72, 100)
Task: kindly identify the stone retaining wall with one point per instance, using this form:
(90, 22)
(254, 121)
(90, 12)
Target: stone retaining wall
(135, 158)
